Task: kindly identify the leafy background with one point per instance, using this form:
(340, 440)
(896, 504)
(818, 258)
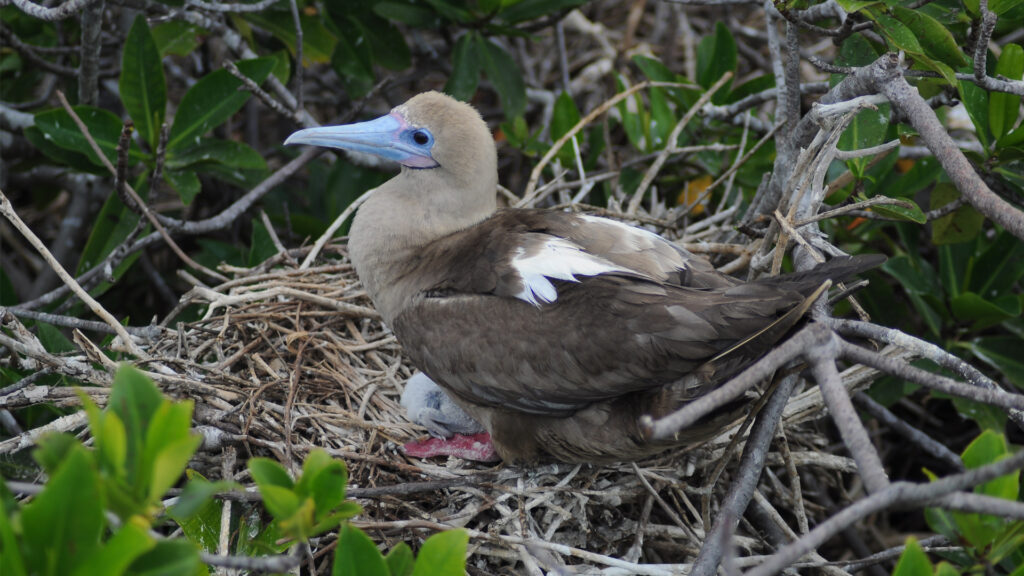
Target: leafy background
(184, 74)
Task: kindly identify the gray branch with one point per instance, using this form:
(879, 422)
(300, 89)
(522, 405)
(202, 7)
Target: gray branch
(65, 10)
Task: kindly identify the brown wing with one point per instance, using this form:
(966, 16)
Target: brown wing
(604, 337)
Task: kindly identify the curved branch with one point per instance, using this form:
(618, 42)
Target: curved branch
(65, 10)
(904, 494)
(887, 79)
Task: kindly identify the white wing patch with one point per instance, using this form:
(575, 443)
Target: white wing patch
(638, 238)
(558, 259)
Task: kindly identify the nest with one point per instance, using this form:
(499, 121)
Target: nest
(287, 359)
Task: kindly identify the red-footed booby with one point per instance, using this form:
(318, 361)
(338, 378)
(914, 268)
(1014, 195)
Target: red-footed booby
(554, 331)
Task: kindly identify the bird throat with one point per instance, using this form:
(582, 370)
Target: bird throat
(403, 215)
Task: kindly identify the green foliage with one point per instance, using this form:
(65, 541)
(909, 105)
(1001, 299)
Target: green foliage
(316, 503)
(990, 540)
(142, 443)
(914, 562)
(310, 506)
(143, 87)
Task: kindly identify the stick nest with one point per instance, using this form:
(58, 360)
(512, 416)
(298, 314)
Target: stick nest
(285, 360)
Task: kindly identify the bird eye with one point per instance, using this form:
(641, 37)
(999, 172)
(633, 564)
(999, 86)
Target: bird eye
(420, 137)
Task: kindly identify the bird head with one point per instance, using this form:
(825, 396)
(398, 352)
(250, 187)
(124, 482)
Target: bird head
(431, 131)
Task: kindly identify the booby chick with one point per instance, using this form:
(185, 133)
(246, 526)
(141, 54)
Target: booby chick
(554, 331)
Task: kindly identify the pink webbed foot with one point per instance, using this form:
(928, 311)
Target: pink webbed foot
(475, 447)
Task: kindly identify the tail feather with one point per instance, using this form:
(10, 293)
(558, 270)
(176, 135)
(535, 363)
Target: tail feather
(812, 284)
(837, 270)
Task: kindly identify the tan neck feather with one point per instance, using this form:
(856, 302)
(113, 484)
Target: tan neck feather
(407, 212)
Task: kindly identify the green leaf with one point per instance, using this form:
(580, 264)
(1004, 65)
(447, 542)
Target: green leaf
(135, 399)
(353, 68)
(110, 227)
(11, 561)
(63, 524)
(913, 561)
(52, 339)
(170, 464)
(177, 557)
(114, 557)
(530, 9)
(323, 478)
(565, 116)
(630, 114)
(975, 100)
(112, 442)
(913, 274)
(142, 85)
(357, 555)
(504, 74)
(261, 246)
(411, 14)
(954, 261)
(898, 34)
(317, 42)
(185, 182)
(1003, 107)
(1003, 354)
(176, 37)
(990, 447)
(986, 416)
(1001, 266)
(282, 66)
(961, 225)
(443, 553)
(267, 472)
(198, 513)
(852, 6)
(465, 68)
(299, 523)
(385, 42)
(227, 152)
(53, 450)
(925, 172)
(64, 156)
(856, 51)
(716, 55)
(104, 126)
(197, 493)
(867, 129)
(655, 71)
(911, 214)
(662, 119)
(400, 560)
(212, 100)
(753, 86)
(937, 41)
(969, 306)
(1001, 7)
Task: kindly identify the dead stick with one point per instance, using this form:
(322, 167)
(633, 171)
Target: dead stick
(7, 209)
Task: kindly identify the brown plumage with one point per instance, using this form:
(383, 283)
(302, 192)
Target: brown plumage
(553, 330)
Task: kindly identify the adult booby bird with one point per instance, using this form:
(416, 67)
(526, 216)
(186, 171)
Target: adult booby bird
(555, 331)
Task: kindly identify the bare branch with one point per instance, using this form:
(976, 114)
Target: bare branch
(935, 381)
(65, 10)
(745, 481)
(888, 80)
(851, 429)
(902, 494)
(917, 437)
(7, 210)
